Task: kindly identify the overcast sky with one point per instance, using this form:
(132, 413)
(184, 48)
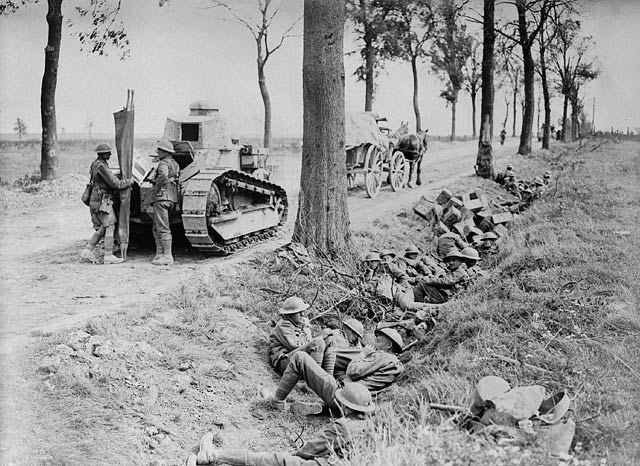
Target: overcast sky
(181, 53)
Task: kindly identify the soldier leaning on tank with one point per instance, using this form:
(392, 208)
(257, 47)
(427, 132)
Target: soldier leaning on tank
(103, 217)
(353, 402)
(462, 270)
(292, 334)
(375, 367)
(164, 201)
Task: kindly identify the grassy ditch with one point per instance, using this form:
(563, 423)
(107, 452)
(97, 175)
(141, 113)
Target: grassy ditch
(562, 296)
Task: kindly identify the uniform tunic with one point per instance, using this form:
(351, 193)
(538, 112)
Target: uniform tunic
(449, 242)
(286, 337)
(375, 370)
(439, 290)
(105, 185)
(165, 196)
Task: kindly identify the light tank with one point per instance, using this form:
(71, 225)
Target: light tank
(226, 201)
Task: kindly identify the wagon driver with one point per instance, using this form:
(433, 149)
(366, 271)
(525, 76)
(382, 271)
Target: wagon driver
(164, 201)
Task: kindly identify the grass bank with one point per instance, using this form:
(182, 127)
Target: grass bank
(561, 296)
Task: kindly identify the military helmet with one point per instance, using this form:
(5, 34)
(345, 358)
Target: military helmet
(392, 335)
(470, 253)
(355, 325)
(372, 256)
(293, 305)
(387, 252)
(103, 148)
(453, 254)
(489, 235)
(411, 249)
(509, 166)
(356, 396)
(166, 146)
(537, 180)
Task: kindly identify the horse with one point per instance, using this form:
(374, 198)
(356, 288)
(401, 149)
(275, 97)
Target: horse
(413, 147)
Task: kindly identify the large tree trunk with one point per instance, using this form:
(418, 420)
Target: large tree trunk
(565, 105)
(322, 224)
(515, 112)
(473, 113)
(416, 107)
(266, 100)
(49, 156)
(453, 119)
(529, 70)
(369, 66)
(484, 159)
(546, 96)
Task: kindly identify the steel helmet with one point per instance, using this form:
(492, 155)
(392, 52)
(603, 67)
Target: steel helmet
(372, 256)
(537, 180)
(166, 146)
(489, 235)
(392, 335)
(470, 253)
(453, 254)
(102, 148)
(293, 305)
(387, 252)
(355, 325)
(356, 396)
(412, 249)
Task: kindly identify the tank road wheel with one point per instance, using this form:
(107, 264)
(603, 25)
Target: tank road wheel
(398, 171)
(373, 176)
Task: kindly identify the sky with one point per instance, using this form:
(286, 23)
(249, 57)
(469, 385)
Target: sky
(184, 52)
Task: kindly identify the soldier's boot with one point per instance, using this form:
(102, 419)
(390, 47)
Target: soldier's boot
(167, 257)
(109, 258)
(270, 398)
(209, 452)
(87, 252)
(306, 408)
(159, 249)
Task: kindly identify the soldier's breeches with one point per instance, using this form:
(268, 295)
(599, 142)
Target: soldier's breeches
(161, 225)
(302, 366)
(424, 293)
(249, 458)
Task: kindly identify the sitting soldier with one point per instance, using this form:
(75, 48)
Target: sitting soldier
(539, 188)
(292, 334)
(374, 367)
(449, 242)
(487, 243)
(462, 269)
(511, 185)
(353, 402)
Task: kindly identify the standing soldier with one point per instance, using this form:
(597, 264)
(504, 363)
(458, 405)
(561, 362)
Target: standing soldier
(103, 217)
(165, 199)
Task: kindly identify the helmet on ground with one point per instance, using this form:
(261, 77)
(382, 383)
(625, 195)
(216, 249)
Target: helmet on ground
(470, 253)
(355, 325)
(103, 148)
(387, 252)
(372, 256)
(166, 146)
(537, 180)
(356, 396)
(412, 249)
(392, 335)
(293, 305)
(490, 235)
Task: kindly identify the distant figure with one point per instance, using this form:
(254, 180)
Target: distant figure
(503, 135)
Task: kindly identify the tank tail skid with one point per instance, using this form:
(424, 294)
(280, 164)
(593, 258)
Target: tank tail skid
(236, 226)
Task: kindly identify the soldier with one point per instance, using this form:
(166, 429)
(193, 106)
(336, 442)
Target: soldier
(371, 263)
(439, 290)
(292, 334)
(449, 242)
(539, 188)
(347, 344)
(353, 401)
(511, 184)
(547, 178)
(103, 217)
(164, 201)
(486, 243)
(376, 367)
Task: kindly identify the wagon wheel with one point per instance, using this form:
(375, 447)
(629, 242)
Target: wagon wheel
(398, 171)
(373, 177)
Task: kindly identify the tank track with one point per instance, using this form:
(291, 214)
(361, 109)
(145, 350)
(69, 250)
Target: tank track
(196, 195)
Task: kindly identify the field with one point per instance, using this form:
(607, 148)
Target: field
(136, 377)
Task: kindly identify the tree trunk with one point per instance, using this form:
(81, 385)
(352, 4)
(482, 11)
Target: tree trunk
(416, 107)
(484, 159)
(266, 100)
(529, 70)
(453, 118)
(546, 97)
(49, 156)
(506, 114)
(370, 65)
(473, 113)
(322, 224)
(565, 105)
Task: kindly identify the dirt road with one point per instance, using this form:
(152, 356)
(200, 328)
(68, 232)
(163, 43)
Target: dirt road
(45, 288)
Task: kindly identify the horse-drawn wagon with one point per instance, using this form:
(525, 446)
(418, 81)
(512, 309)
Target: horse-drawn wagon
(370, 152)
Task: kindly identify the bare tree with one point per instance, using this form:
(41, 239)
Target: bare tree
(103, 29)
(260, 26)
(451, 50)
(369, 18)
(472, 78)
(20, 127)
(323, 219)
(409, 27)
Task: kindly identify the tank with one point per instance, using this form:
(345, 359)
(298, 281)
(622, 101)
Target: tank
(227, 202)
